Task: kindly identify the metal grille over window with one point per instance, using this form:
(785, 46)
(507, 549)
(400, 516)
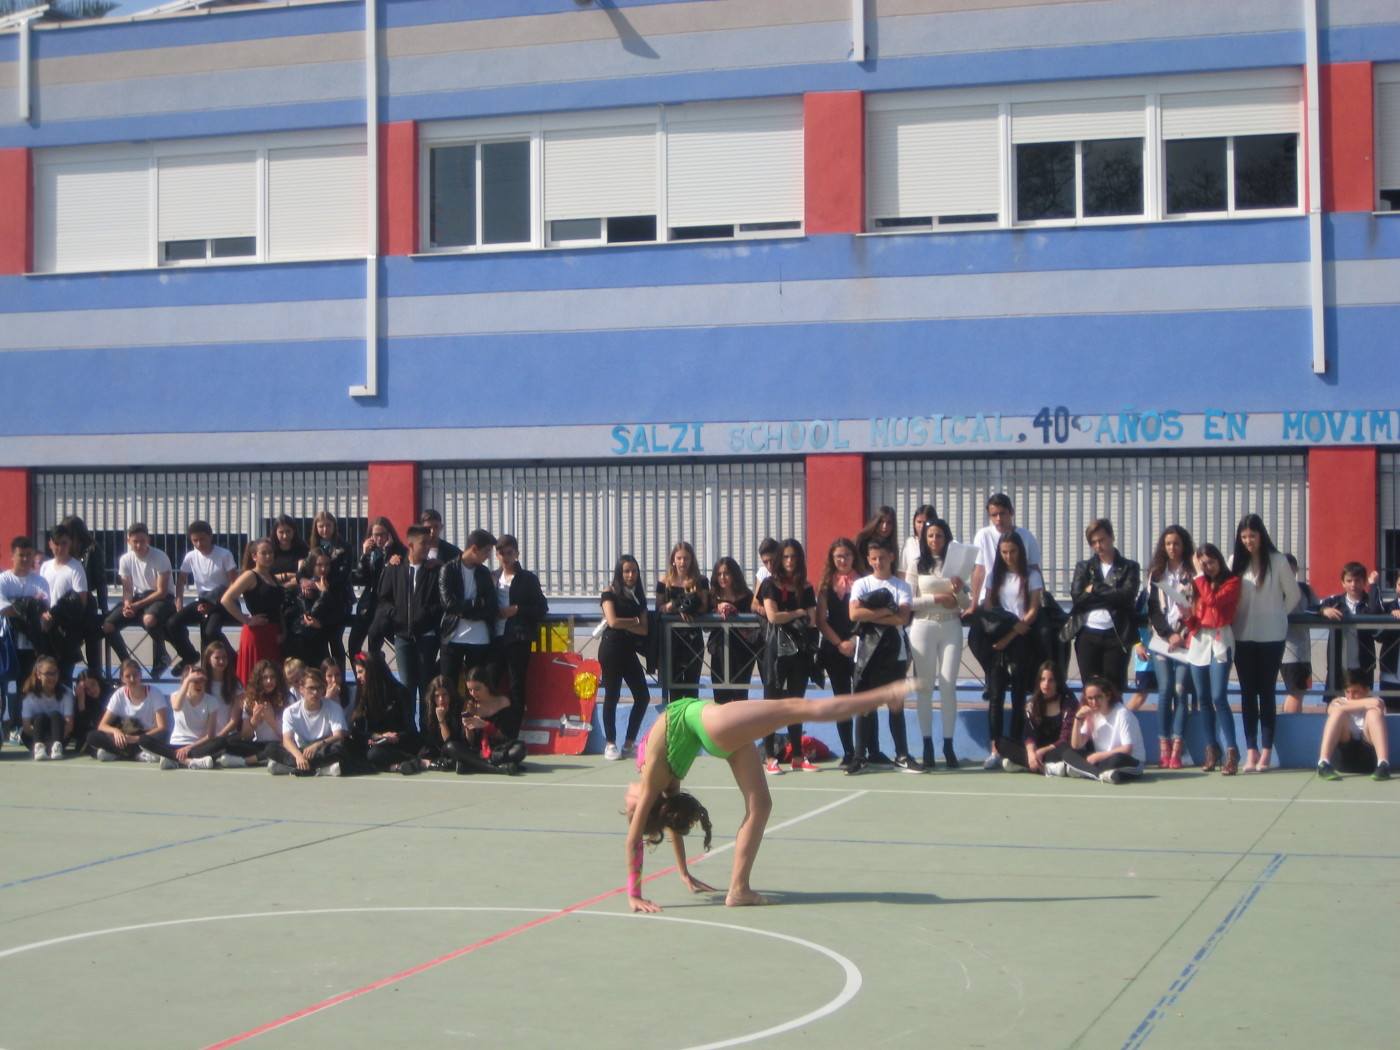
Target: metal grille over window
(573, 522)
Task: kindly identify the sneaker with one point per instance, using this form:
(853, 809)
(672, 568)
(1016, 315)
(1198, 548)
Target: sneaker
(147, 756)
(993, 761)
(1382, 771)
(771, 767)
(207, 762)
(846, 762)
(277, 769)
(103, 755)
(169, 763)
(612, 754)
(1326, 772)
(1012, 767)
(41, 753)
(907, 764)
(177, 669)
(232, 761)
(56, 751)
(332, 770)
(629, 750)
(803, 766)
(1054, 769)
(159, 664)
(878, 758)
(855, 768)
(407, 768)
(1112, 776)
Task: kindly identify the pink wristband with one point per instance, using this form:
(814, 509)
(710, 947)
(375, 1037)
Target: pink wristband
(634, 885)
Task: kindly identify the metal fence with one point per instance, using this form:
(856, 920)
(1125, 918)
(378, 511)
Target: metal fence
(239, 504)
(574, 521)
(1057, 496)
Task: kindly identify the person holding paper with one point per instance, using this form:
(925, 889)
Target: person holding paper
(936, 632)
(1168, 605)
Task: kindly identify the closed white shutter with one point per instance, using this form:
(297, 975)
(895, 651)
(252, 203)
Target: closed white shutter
(93, 215)
(1388, 135)
(1213, 114)
(739, 167)
(933, 162)
(207, 196)
(598, 173)
(316, 203)
(1069, 121)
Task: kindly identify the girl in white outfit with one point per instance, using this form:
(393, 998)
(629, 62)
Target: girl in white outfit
(936, 635)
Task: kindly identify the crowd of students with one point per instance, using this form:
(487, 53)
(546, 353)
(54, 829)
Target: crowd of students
(876, 612)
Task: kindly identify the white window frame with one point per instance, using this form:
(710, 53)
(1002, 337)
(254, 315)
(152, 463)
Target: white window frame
(150, 155)
(441, 134)
(1150, 89)
(1386, 92)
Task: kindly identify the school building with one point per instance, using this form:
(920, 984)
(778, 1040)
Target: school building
(612, 273)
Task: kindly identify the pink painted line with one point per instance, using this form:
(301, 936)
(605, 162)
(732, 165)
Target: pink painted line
(345, 996)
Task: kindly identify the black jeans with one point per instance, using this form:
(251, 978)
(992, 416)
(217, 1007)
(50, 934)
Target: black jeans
(1101, 653)
(620, 664)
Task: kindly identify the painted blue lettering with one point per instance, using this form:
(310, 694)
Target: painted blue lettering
(899, 430)
(938, 421)
(821, 433)
(1171, 425)
(1337, 423)
(754, 431)
(639, 440)
(979, 429)
(1235, 425)
(918, 433)
(619, 435)
(1292, 425)
(1211, 431)
(1002, 436)
(1105, 429)
(837, 441)
(1128, 426)
(1380, 425)
(1151, 426)
(1359, 416)
(880, 432)
(736, 439)
(1315, 426)
(656, 445)
(697, 447)
(957, 438)
(775, 436)
(796, 436)
(681, 429)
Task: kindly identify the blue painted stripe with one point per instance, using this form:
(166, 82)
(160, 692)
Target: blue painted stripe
(1361, 235)
(1372, 43)
(1188, 974)
(133, 853)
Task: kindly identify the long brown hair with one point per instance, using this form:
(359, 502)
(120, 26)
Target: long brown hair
(679, 813)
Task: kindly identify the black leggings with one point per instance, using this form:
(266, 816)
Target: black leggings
(1077, 760)
(620, 663)
(470, 761)
(790, 674)
(333, 752)
(47, 729)
(840, 672)
(102, 740)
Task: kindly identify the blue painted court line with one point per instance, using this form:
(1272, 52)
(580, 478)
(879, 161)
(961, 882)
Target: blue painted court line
(1193, 967)
(134, 853)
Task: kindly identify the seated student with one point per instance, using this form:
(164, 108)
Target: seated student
(46, 711)
(381, 725)
(1353, 648)
(484, 747)
(136, 714)
(259, 717)
(145, 574)
(293, 671)
(212, 568)
(314, 734)
(442, 724)
(1354, 739)
(90, 695)
(336, 687)
(24, 603)
(68, 599)
(1049, 722)
(193, 740)
(1105, 742)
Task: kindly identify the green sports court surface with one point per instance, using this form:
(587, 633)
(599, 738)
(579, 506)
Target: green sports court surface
(962, 909)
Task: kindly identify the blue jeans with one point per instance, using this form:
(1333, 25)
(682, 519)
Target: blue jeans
(1174, 685)
(1213, 689)
(1256, 666)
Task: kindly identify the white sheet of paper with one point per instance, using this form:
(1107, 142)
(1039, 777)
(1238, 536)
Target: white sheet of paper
(1173, 592)
(1158, 645)
(958, 560)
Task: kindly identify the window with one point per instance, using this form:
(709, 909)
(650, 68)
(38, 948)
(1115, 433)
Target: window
(1388, 137)
(711, 170)
(199, 202)
(1145, 149)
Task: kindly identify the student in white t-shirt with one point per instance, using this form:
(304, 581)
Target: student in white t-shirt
(211, 569)
(193, 740)
(882, 654)
(1002, 517)
(314, 733)
(145, 576)
(1105, 743)
(68, 600)
(46, 711)
(136, 714)
(24, 603)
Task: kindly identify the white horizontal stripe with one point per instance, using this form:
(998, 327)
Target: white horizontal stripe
(1366, 282)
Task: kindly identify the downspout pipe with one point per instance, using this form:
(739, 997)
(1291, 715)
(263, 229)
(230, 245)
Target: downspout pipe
(370, 387)
(1316, 283)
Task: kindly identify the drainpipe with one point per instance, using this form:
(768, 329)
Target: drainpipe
(857, 31)
(370, 388)
(1316, 285)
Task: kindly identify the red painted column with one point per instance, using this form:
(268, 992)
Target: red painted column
(393, 493)
(834, 166)
(1348, 137)
(1342, 513)
(836, 493)
(16, 507)
(398, 188)
(16, 212)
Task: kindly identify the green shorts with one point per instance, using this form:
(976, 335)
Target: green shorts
(685, 735)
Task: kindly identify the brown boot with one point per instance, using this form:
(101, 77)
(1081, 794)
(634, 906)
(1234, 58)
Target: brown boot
(1212, 758)
(1232, 762)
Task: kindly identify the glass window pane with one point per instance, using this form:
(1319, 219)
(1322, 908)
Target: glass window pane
(185, 251)
(505, 192)
(452, 193)
(701, 233)
(234, 247)
(1266, 171)
(1045, 181)
(1112, 172)
(1196, 175)
(631, 228)
(576, 230)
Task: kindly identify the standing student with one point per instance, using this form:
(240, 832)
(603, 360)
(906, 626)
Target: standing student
(1351, 648)
(469, 608)
(145, 574)
(1104, 592)
(1012, 596)
(1172, 566)
(411, 612)
(1210, 631)
(624, 637)
(314, 734)
(327, 539)
(881, 527)
(789, 606)
(523, 605)
(211, 568)
(261, 637)
(312, 615)
(1296, 670)
(838, 648)
(1001, 518)
(382, 547)
(439, 550)
(68, 598)
(736, 649)
(685, 592)
(936, 634)
(1268, 592)
(24, 602)
(46, 711)
(909, 553)
(136, 714)
(881, 607)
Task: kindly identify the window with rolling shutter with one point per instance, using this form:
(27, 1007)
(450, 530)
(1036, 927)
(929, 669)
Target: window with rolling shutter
(932, 167)
(207, 206)
(92, 215)
(1388, 137)
(316, 202)
(600, 185)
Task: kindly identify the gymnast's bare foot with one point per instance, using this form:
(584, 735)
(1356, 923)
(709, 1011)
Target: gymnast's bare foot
(748, 898)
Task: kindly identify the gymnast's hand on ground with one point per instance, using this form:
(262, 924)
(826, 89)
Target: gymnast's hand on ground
(696, 886)
(642, 904)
